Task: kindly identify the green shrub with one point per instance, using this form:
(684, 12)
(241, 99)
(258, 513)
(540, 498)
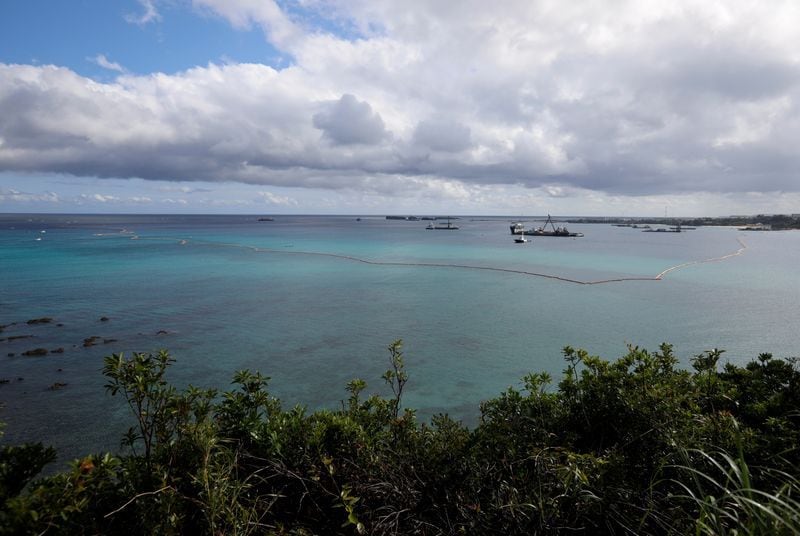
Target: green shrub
(632, 446)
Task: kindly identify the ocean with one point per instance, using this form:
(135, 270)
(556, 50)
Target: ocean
(313, 301)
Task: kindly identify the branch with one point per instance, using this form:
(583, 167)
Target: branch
(137, 497)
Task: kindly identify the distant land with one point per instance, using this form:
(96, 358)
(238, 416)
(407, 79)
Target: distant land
(761, 222)
(774, 222)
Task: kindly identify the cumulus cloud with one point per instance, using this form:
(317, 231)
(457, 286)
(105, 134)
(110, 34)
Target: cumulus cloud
(442, 134)
(349, 121)
(267, 14)
(648, 98)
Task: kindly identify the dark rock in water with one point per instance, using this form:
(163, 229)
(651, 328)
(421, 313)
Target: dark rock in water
(104, 319)
(10, 354)
(17, 337)
(162, 332)
(57, 385)
(3, 380)
(91, 341)
(43, 320)
(35, 352)
(57, 351)
(20, 379)
(61, 370)
(109, 341)
(59, 325)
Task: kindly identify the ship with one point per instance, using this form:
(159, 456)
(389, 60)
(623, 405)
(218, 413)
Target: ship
(446, 227)
(561, 231)
(674, 229)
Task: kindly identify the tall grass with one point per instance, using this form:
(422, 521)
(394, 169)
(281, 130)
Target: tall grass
(728, 503)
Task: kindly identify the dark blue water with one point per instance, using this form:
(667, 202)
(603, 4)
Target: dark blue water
(231, 292)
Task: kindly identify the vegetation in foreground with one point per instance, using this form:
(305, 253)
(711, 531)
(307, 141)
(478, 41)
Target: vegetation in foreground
(633, 446)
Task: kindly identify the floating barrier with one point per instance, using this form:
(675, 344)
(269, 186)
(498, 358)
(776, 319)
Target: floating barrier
(657, 277)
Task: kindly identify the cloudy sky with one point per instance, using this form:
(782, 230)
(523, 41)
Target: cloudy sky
(378, 106)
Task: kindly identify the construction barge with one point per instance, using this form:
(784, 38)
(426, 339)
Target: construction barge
(518, 229)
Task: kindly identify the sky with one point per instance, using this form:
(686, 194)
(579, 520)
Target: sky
(612, 108)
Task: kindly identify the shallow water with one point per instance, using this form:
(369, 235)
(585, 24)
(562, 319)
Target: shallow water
(232, 293)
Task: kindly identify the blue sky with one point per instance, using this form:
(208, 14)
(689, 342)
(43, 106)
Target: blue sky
(72, 34)
(373, 106)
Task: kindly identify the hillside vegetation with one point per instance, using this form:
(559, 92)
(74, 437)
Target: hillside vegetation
(632, 446)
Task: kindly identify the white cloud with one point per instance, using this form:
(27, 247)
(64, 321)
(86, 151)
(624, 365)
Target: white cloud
(349, 121)
(99, 198)
(16, 196)
(149, 15)
(105, 63)
(645, 99)
(442, 134)
(266, 13)
(272, 199)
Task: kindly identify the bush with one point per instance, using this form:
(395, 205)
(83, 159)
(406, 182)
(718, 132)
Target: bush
(632, 446)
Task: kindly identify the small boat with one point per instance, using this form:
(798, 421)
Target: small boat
(521, 239)
(446, 227)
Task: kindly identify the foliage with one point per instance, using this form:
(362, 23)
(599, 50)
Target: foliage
(638, 445)
(728, 503)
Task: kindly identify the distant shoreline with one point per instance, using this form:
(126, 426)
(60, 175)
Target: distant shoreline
(776, 222)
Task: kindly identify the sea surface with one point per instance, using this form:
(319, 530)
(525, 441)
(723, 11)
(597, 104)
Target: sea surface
(295, 299)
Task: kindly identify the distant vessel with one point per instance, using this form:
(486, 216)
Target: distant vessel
(561, 231)
(404, 218)
(446, 227)
(674, 229)
(756, 227)
(266, 219)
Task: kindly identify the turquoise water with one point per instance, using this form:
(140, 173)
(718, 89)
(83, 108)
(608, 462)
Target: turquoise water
(235, 293)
